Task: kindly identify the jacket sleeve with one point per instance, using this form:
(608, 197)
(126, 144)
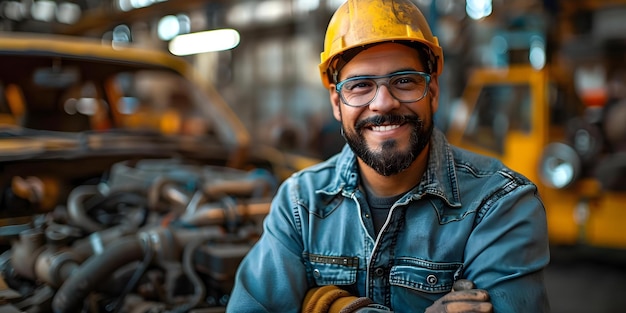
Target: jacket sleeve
(272, 276)
(508, 250)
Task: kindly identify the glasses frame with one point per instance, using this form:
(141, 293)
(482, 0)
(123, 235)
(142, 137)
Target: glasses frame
(376, 79)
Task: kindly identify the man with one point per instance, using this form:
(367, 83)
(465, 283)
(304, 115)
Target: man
(399, 215)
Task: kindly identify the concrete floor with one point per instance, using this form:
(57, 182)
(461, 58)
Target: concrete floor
(586, 282)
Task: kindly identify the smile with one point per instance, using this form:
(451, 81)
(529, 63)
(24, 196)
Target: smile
(384, 128)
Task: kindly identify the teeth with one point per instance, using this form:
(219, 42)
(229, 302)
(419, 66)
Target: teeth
(384, 128)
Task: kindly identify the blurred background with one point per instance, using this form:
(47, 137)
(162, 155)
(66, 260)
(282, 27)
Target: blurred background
(540, 84)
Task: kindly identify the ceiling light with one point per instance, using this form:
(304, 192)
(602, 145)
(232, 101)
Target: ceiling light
(207, 41)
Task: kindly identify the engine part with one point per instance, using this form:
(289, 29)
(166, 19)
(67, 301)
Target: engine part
(152, 236)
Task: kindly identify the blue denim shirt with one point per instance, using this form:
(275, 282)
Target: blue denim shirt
(469, 217)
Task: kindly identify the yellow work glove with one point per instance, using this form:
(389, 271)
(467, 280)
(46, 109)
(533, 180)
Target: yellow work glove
(332, 299)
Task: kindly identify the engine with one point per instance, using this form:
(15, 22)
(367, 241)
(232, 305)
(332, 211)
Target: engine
(150, 236)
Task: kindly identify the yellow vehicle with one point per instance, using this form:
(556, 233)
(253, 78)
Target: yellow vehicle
(532, 121)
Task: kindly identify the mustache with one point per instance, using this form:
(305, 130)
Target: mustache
(387, 119)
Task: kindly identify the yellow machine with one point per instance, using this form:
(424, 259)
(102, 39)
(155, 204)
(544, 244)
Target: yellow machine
(524, 117)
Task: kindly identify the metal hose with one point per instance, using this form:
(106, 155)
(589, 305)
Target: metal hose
(94, 271)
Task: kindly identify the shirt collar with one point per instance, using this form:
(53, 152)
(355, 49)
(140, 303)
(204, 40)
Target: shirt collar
(439, 179)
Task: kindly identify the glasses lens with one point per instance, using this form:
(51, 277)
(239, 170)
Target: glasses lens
(358, 92)
(408, 87)
(405, 87)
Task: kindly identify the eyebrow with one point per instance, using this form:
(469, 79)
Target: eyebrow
(390, 73)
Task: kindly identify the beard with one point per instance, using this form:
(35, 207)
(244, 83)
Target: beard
(389, 159)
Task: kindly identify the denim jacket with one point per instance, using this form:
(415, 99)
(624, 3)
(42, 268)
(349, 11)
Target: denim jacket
(469, 217)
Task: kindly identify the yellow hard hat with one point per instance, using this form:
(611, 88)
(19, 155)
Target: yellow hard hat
(358, 23)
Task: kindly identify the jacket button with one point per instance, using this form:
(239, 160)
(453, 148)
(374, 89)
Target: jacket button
(317, 273)
(379, 272)
(431, 279)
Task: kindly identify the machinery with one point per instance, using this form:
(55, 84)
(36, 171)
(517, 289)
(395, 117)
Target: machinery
(507, 113)
(126, 184)
(151, 236)
(562, 125)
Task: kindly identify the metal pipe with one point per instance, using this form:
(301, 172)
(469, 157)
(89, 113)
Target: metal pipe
(76, 211)
(93, 271)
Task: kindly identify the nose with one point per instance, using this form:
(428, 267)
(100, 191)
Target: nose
(384, 101)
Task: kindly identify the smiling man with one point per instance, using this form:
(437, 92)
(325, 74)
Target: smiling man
(399, 220)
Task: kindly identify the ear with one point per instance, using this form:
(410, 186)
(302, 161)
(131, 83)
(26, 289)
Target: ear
(434, 93)
(335, 101)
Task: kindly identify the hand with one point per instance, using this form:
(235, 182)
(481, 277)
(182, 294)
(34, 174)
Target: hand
(463, 298)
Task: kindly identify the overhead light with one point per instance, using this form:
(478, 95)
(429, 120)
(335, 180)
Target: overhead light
(121, 34)
(128, 5)
(168, 27)
(272, 11)
(68, 12)
(478, 9)
(171, 26)
(43, 10)
(14, 10)
(207, 41)
(306, 5)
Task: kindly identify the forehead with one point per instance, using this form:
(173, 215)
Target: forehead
(383, 59)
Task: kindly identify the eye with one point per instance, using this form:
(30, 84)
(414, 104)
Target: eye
(359, 85)
(403, 80)
(408, 81)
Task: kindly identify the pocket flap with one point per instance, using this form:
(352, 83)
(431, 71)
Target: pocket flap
(425, 276)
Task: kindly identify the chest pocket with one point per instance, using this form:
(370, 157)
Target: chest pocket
(330, 270)
(425, 276)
